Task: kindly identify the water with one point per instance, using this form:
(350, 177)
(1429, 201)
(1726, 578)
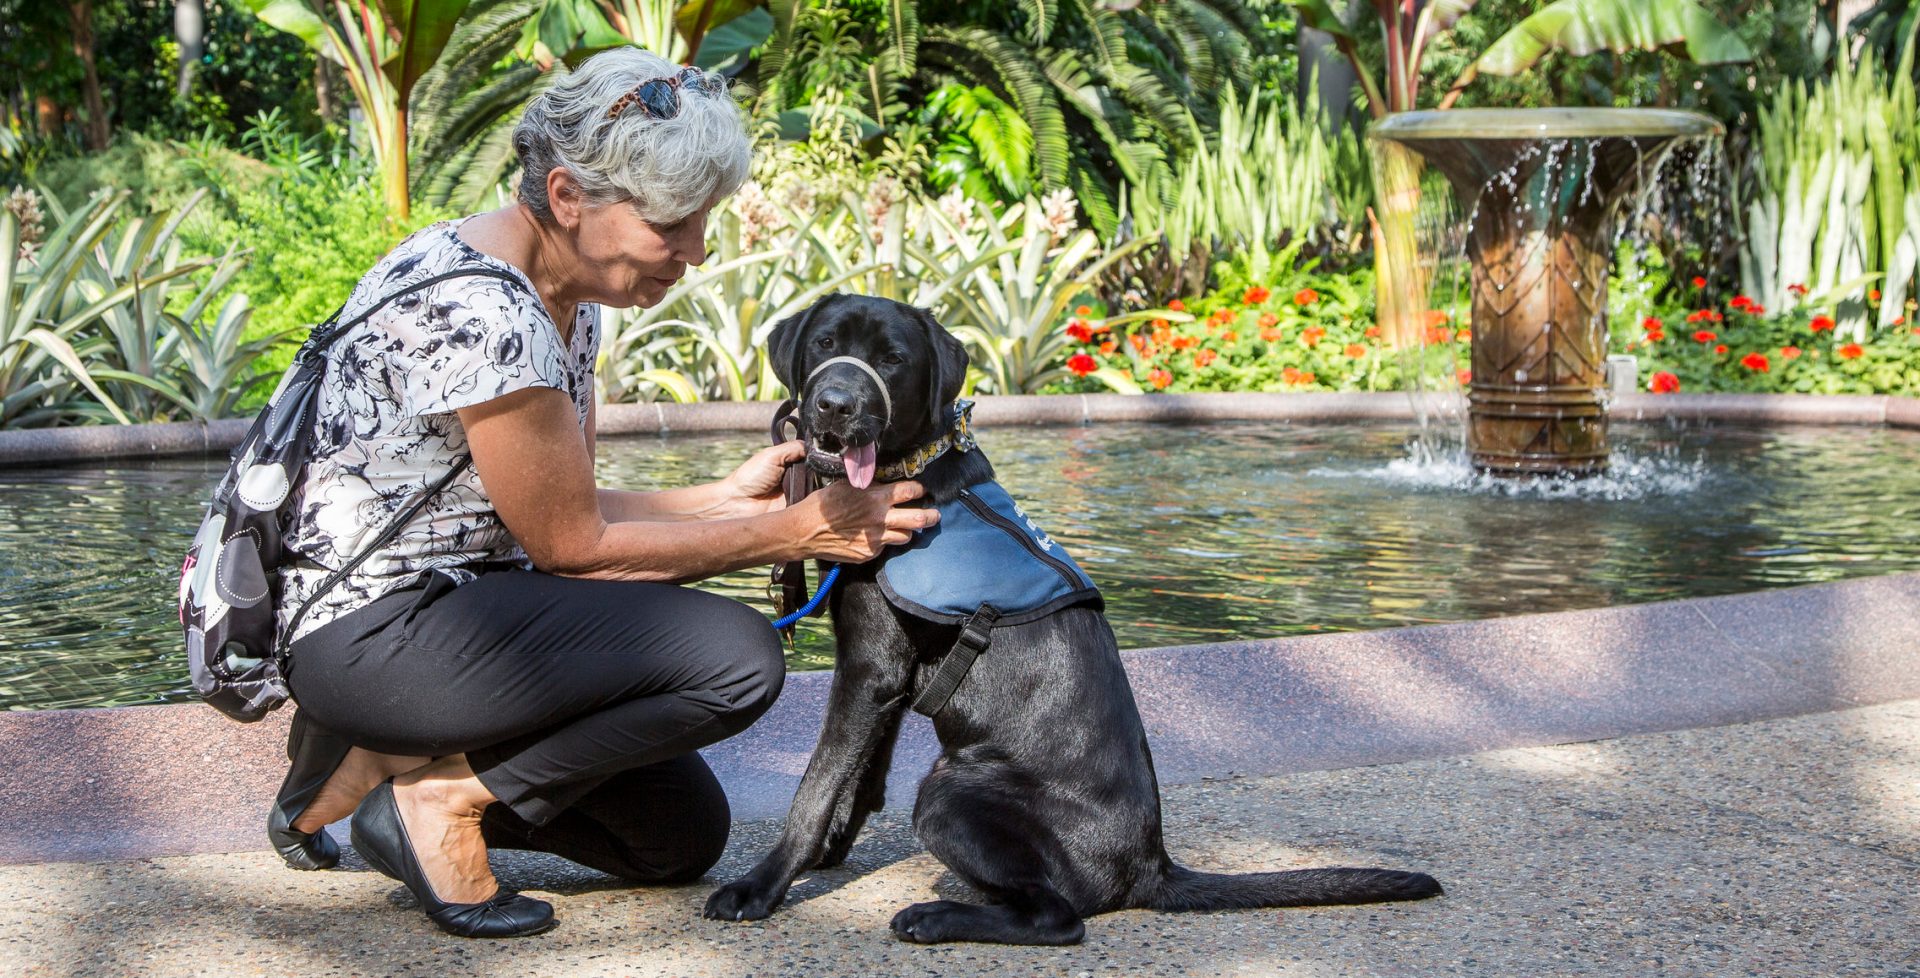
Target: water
(1196, 534)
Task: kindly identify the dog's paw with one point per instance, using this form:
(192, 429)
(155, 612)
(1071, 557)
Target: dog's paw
(742, 900)
(922, 922)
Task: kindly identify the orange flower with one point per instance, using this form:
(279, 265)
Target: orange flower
(1756, 362)
(1465, 376)
(1083, 310)
(1256, 295)
(1177, 306)
(1202, 358)
(1159, 324)
(1305, 297)
(1438, 334)
(1306, 376)
(1356, 351)
(1289, 376)
(1268, 319)
(1851, 351)
(1656, 335)
(1139, 342)
(1312, 335)
(1437, 317)
(1663, 382)
(1789, 352)
(1270, 334)
(1107, 348)
(1230, 336)
(1820, 323)
(1183, 342)
(1162, 335)
(1873, 295)
(1704, 336)
(1082, 365)
(1159, 378)
(1372, 332)
(1464, 335)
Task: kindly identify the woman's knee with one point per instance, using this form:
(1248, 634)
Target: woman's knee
(756, 669)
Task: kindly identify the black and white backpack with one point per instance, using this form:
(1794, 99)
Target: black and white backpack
(230, 582)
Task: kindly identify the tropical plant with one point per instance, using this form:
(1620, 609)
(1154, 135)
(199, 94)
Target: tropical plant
(384, 47)
(49, 299)
(1835, 201)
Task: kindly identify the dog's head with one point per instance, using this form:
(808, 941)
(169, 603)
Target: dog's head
(874, 379)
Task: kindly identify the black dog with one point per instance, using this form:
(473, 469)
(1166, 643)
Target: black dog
(1044, 796)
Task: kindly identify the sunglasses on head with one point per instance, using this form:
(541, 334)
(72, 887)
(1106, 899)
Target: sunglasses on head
(659, 98)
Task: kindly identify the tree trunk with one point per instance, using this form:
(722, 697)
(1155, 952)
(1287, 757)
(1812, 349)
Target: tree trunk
(80, 12)
(323, 89)
(190, 29)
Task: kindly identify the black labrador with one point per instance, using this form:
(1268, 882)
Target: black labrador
(1044, 797)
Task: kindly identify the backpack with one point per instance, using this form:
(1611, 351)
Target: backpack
(230, 581)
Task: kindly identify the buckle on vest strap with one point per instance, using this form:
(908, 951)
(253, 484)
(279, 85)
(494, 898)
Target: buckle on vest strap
(975, 636)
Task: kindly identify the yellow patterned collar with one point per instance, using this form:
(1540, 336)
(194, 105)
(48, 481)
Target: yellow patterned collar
(959, 438)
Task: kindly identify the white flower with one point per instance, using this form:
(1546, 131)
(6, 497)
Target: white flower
(25, 205)
(1057, 210)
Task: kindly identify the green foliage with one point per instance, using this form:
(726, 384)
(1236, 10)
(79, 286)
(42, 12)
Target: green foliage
(985, 146)
(1835, 199)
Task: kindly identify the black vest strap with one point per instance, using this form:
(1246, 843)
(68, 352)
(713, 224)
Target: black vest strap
(975, 636)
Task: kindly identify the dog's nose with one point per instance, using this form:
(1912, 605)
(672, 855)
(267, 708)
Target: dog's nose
(835, 402)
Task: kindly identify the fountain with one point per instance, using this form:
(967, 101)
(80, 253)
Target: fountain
(1542, 188)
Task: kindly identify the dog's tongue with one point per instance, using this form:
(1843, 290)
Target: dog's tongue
(858, 462)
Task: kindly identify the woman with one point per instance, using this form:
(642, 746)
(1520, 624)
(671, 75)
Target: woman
(519, 666)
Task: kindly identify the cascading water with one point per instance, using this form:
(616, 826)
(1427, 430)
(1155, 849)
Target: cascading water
(1546, 198)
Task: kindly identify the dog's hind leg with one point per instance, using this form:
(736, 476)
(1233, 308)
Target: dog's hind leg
(989, 842)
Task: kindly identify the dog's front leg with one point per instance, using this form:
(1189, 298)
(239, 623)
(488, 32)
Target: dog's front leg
(864, 710)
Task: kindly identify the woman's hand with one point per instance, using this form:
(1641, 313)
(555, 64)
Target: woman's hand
(851, 525)
(754, 487)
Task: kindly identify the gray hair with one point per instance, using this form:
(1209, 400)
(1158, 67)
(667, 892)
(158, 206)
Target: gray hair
(668, 168)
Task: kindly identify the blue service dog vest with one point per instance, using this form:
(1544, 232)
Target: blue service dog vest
(984, 551)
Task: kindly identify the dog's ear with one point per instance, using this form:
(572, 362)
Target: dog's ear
(783, 345)
(948, 372)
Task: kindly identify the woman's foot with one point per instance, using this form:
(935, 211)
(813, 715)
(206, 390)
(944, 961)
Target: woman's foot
(357, 774)
(440, 805)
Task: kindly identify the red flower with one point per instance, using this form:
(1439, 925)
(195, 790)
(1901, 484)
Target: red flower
(1851, 351)
(1305, 297)
(1797, 289)
(1820, 323)
(1652, 323)
(1202, 358)
(1755, 361)
(1698, 283)
(1873, 295)
(1079, 331)
(1465, 376)
(1312, 335)
(1704, 336)
(1789, 352)
(1756, 309)
(1713, 316)
(1177, 306)
(1255, 295)
(1082, 365)
(1663, 382)
(1083, 310)
(1268, 319)
(1159, 378)
(1356, 351)
(1721, 349)
(1740, 302)
(1656, 335)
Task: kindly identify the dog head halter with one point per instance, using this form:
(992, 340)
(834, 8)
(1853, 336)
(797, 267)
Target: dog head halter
(886, 399)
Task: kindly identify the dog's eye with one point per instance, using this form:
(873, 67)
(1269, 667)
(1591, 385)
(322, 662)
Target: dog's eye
(892, 359)
(824, 343)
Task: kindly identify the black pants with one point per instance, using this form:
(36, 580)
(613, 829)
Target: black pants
(578, 703)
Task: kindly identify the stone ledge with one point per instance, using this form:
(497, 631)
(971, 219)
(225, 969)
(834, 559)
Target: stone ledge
(95, 443)
(131, 782)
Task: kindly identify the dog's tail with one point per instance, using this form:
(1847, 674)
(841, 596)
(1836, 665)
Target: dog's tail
(1185, 889)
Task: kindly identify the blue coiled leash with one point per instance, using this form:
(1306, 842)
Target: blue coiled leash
(812, 604)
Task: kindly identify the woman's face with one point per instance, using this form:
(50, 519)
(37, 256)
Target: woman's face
(625, 261)
(618, 258)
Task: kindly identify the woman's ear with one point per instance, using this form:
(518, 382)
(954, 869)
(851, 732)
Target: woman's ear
(948, 372)
(563, 197)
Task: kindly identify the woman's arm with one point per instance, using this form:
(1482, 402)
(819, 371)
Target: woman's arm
(530, 454)
(740, 494)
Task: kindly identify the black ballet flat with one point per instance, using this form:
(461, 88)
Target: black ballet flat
(381, 839)
(315, 754)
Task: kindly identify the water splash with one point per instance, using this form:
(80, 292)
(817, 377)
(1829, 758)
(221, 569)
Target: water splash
(1631, 475)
